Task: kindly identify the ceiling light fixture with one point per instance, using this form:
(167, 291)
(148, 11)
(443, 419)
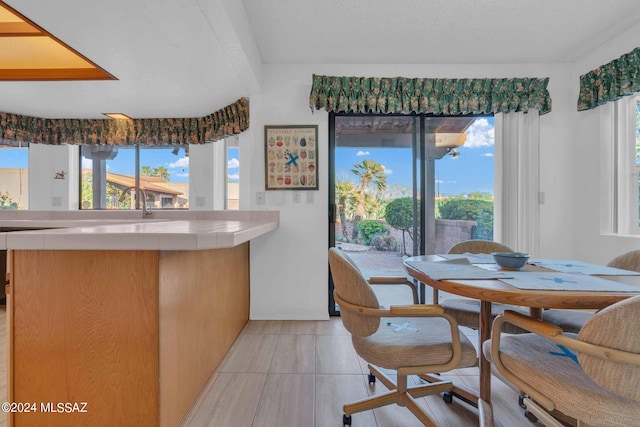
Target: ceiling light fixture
(29, 52)
(117, 116)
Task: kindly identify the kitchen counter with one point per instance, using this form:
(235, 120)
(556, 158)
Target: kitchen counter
(131, 316)
(193, 230)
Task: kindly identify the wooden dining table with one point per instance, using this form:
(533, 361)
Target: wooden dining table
(488, 291)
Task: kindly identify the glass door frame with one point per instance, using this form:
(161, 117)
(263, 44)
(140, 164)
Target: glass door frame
(419, 188)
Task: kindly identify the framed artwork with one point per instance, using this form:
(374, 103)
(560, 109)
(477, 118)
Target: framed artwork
(291, 157)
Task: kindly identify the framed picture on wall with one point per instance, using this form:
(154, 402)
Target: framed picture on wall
(291, 157)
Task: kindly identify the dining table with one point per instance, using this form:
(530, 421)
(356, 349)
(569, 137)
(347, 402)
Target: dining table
(488, 288)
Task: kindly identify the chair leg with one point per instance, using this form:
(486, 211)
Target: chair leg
(372, 402)
(543, 415)
(384, 379)
(463, 393)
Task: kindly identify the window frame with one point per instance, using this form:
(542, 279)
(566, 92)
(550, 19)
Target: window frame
(137, 168)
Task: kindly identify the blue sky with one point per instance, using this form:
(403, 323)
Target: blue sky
(471, 171)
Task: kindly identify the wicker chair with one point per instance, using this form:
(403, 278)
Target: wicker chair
(427, 341)
(574, 320)
(592, 377)
(467, 311)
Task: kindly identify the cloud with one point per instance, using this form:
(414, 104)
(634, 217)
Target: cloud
(487, 154)
(387, 171)
(439, 181)
(234, 176)
(233, 163)
(180, 163)
(480, 134)
(87, 163)
(185, 175)
(362, 153)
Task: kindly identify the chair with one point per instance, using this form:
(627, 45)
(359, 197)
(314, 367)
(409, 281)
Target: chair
(574, 320)
(413, 339)
(592, 377)
(467, 311)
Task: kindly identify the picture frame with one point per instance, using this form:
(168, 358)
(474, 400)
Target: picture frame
(291, 157)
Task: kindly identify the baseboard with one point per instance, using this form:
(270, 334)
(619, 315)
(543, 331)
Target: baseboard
(323, 316)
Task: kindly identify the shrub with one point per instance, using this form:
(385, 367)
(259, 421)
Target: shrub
(368, 229)
(384, 242)
(477, 210)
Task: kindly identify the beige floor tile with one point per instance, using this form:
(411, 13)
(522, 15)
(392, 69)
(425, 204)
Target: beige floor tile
(262, 327)
(250, 353)
(332, 392)
(504, 400)
(232, 401)
(287, 400)
(302, 327)
(333, 326)
(294, 354)
(335, 355)
(394, 415)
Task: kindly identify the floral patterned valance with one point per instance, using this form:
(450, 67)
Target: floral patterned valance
(432, 96)
(618, 78)
(230, 120)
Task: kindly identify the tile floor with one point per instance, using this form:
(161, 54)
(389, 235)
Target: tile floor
(300, 373)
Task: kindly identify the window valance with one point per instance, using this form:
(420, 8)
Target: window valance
(609, 82)
(229, 120)
(425, 95)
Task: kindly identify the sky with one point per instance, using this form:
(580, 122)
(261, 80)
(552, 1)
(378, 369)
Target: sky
(471, 171)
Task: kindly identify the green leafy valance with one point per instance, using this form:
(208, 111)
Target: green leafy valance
(431, 96)
(230, 120)
(612, 81)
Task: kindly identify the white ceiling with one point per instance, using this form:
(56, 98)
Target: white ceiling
(189, 58)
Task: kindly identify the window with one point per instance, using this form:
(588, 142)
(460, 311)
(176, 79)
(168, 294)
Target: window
(233, 175)
(620, 125)
(14, 175)
(110, 176)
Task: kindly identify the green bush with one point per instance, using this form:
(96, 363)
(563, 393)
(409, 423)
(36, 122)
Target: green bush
(477, 210)
(399, 213)
(368, 229)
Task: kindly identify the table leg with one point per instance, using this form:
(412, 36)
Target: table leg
(484, 333)
(535, 313)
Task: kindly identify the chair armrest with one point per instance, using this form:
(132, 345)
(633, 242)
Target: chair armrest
(532, 325)
(378, 280)
(416, 310)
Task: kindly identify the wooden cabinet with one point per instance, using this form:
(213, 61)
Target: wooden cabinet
(134, 334)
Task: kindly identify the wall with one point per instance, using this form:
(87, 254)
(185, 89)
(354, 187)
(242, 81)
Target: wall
(45, 192)
(289, 269)
(590, 244)
(207, 176)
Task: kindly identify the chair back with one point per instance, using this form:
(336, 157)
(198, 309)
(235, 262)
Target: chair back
(615, 327)
(627, 261)
(351, 286)
(478, 247)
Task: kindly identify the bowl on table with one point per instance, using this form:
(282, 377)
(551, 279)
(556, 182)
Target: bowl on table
(510, 260)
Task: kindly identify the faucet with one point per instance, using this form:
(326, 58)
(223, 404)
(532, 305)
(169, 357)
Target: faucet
(145, 212)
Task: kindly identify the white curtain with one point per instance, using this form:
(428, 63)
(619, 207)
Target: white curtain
(516, 208)
(618, 174)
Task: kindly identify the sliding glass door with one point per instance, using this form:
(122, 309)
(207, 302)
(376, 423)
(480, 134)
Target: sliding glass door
(386, 173)
(375, 208)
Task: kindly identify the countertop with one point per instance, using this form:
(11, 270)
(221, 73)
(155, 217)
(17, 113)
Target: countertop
(185, 230)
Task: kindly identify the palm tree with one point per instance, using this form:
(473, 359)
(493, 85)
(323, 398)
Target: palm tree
(369, 172)
(160, 171)
(345, 196)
